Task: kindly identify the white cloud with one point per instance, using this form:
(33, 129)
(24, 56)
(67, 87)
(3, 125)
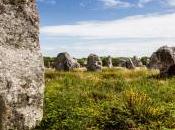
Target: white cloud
(125, 47)
(141, 3)
(115, 3)
(171, 2)
(151, 26)
(136, 35)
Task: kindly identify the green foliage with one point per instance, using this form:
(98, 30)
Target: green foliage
(115, 61)
(115, 99)
(104, 61)
(49, 61)
(82, 61)
(144, 60)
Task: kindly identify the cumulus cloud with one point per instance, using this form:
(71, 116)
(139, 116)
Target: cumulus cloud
(143, 26)
(171, 2)
(139, 3)
(142, 3)
(115, 3)
(136, 35)
(115, 47)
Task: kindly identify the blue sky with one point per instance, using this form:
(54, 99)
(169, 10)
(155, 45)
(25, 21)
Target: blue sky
(106, 27)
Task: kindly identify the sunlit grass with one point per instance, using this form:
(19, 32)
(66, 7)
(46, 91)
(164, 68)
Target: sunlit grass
(114, 99)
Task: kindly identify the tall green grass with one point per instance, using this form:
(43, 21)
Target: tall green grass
(115, 99)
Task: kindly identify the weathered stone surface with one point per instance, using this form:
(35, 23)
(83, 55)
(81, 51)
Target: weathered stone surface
(109, 62)
(126, 63)
(94, 63)
(21, 66)
(171, 71)
(65, 62)
(137, 62)
(164, 60)
(130, 64)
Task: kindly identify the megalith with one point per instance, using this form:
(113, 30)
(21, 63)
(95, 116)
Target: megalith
(129, 64)
(164, 60)
(109, 62)
(21, 66)
(137, 62)
(65, 62)
(94, 63)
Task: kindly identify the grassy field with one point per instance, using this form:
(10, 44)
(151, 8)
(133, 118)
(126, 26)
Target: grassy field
(115, 99)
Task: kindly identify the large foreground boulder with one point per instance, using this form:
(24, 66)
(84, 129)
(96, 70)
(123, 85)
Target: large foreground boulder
(21, 66)
(65, 62)
(164, 60)
(94, 63)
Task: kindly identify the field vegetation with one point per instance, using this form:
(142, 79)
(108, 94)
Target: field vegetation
(114, 99)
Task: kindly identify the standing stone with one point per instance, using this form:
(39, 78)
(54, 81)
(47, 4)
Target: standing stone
(21, 66)
(65, 62)
(94, 63)
(164, 60)
(129, 64)
(109, 62)
(126, 63)
(137, 62)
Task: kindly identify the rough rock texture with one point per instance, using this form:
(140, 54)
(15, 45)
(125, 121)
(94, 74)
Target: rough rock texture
(164, 60)
(21, 66)
(126, 63)
(137, 62)
(94, 63)
(65, 62)
(130, 64)
(171, 71)
(109, 62)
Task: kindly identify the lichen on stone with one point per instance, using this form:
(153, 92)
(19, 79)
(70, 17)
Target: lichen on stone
(21, 66)
(16, 2)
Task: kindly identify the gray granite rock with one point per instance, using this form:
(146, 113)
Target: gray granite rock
(164, 60)
(137, 62)
(94, 63)
(109, 62)
(21, 66)
(65, 62)
(129, 64)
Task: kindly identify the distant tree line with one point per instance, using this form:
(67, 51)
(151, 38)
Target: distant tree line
(49, 62)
